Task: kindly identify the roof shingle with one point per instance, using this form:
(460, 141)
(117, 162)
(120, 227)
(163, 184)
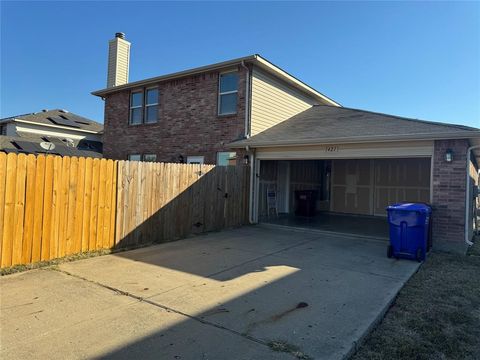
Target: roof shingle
(331, 124)
(45, 117)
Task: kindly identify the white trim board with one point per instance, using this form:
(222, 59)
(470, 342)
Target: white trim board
(349, 151)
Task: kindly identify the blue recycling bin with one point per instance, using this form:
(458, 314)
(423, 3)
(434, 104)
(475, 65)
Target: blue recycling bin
(409, 230)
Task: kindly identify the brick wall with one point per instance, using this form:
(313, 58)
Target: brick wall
(188, 123)
(449, 182)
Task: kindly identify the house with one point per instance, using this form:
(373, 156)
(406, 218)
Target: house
(351, 163)
(56, 132)
(193, 115)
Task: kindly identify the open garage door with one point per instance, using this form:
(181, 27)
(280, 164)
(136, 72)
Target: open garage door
(368, 186)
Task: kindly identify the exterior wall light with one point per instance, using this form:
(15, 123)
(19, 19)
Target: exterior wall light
(246, 160)
(449, 155)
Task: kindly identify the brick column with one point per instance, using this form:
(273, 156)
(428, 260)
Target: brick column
(449, 196)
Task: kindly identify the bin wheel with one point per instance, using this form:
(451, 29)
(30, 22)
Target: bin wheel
(389, 251)
(419, 255)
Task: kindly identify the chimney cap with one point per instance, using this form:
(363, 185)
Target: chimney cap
(120, 35)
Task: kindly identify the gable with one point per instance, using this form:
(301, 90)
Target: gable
(273, 101)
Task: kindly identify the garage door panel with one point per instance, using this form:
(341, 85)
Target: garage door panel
(357, 202)
(424, 196)
(340, 173)
(363, 170)
(363, 201)
(395, 180)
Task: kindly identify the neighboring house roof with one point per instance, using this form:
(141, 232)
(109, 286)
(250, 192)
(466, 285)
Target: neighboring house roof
(31, 145)
(253, 59)
(323, 124)
(58, 118)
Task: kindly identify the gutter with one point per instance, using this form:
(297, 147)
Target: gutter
(56, 126)
(467, 194)
(174, 75)
(255, 59)
(359, 139)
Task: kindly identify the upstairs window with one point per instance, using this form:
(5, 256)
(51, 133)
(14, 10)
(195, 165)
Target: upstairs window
(151, 105)
(144, 106)
(136, 107)
(227, 93)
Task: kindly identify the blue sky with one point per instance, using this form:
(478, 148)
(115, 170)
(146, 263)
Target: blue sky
(415, 59)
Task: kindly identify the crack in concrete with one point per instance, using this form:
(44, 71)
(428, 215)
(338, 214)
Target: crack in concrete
(166, 308)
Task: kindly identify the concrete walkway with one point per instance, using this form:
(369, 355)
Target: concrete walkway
(230, 295)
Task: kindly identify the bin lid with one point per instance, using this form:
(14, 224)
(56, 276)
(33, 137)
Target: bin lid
(410, 207)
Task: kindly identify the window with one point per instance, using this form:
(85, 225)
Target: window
(195, 159)
(227, 93)
(144, 106)
(134, 157)
(226, 158)
(144, 157)
(3, 129)
(136, 108)
(149, 157)
(151, 105)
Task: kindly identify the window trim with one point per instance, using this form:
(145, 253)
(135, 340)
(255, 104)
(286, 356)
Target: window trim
(144, 105)
(219, 97)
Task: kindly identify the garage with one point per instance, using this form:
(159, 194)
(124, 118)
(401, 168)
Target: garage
(345, 195)
(337, 169)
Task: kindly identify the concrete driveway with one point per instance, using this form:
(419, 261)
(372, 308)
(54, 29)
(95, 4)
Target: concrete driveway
(237, 294)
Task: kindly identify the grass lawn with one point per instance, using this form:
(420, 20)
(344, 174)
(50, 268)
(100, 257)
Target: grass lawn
(435, 316)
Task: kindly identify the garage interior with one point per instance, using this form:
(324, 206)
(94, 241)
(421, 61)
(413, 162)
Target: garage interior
(340, 195)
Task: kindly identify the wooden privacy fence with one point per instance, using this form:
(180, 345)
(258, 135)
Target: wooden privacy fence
(51, 206)
(158, 201)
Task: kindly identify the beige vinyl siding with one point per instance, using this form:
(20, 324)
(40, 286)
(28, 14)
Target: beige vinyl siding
(112, 63)
(118, 62)
(122, 62)
(273, 101)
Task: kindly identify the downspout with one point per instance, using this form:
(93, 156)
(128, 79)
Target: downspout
(467, 194)
(251, 220)
(247, 98)
(247, 135)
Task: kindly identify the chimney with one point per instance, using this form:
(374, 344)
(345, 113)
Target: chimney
(118, 60)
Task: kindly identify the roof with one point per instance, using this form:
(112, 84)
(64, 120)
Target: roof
(252, 59)
(31, 145)
(58, 118)
(323, 124)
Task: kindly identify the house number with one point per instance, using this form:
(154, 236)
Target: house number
(331, 149)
